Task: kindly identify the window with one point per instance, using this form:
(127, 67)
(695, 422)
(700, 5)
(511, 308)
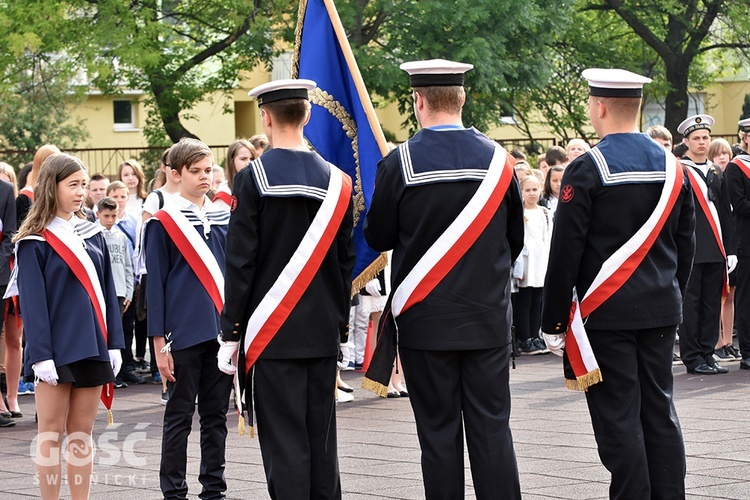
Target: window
(281, 66)
(124, 115)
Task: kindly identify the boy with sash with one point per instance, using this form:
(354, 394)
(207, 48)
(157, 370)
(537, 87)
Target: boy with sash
(289, 262)
(620, 260)
(448, 204)
(184, 251)
(715, 255)
(738, 182)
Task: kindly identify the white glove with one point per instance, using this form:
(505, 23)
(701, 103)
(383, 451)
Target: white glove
(45, 371)
(115, 359)
(227, 356)
(731, 263)
(373, 288)
(555, 343)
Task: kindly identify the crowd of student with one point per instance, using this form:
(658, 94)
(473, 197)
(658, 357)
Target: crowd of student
(96, 336)
(540, 190)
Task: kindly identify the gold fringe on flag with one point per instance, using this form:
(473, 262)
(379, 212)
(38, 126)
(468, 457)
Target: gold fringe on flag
(376, 387)
(252, 432)
(241, 425)
(369, 273)
(583, 382)
(110, 418)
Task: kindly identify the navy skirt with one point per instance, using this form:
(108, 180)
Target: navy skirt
(83, 373)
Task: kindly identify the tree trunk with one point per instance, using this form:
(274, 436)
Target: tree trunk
(168, 107)
(676, 103)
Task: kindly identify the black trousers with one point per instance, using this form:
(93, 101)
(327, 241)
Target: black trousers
(742, 305)
(448, 389)
(296, 419)
(196, 372)
(527, 313)
(701, 314)
(633, 415)
(128, 324)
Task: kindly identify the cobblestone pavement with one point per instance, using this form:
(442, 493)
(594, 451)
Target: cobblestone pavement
(379, 452)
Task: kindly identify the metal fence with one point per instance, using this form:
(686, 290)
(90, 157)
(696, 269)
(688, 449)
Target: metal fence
(107, 160)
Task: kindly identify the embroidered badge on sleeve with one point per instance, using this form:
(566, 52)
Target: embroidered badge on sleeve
(566, 194)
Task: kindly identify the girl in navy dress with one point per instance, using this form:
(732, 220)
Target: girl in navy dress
(72, 322)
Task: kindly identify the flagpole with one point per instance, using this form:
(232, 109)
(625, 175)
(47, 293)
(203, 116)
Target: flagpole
(359, 83)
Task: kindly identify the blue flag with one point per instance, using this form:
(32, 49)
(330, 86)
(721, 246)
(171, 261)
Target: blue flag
(339, 128)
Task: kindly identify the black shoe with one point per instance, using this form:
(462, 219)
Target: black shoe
(730, 349)
(723, 354)
(141, 365)
(133, 378)
(119, 384)
(530, 348)
(719, 368)
(394, 394)
(6, 422)
(704, 369)
(745, 364)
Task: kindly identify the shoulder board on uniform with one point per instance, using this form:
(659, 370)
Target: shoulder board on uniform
(415, 177)
(613, 173)
(275, 183)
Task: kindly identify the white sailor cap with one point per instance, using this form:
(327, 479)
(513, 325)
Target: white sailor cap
(744, 125)
(694, 123)
(614, 82)
(279, 90)
(436, 73)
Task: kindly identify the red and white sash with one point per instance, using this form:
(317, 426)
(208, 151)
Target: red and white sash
(28, 191)
(223, 194)
(615, 271)
(707, 206)
(456, 240)
(196, 252)
(296, 276)
(743, 165)
(70, 250)
(712, 216)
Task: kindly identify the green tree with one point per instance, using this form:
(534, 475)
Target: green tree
(36, 108)
(681, 34)
(504, 39)
(36, 80)
(178, 52)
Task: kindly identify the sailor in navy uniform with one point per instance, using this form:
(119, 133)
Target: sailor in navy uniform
(606, 196)
(183, 320)
(702, 306)
(455, 345)
(738, 183)
(74, 341)
(275, 199)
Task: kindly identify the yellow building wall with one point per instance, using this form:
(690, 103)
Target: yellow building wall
(207, 121)
(724, 102)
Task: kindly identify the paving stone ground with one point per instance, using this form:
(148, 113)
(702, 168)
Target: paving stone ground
(379, 452)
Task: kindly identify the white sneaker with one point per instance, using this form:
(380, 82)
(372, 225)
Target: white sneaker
(345, 397)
